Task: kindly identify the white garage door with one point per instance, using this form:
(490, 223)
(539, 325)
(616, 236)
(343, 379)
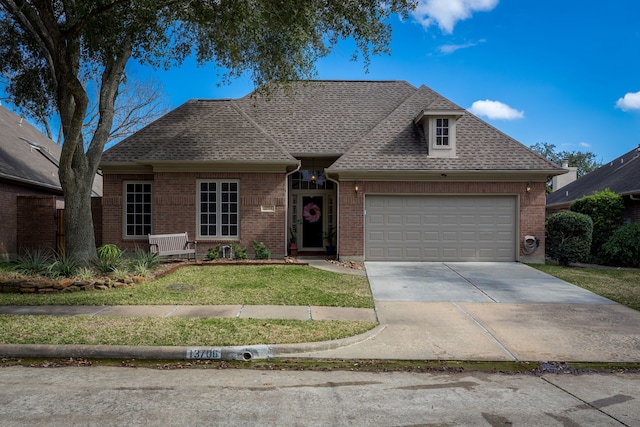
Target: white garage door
(440, 228)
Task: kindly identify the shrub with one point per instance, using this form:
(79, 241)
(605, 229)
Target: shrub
(63, 266)
(623, 248)
(144, 260)
(238, 251)
(34, 262)
(568, 237)
(606, 209)
(262, 252)
(216, 252)
(109, 256)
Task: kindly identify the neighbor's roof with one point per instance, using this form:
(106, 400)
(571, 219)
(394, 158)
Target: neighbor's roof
(367, 124)
(28, 157)
(622, 176)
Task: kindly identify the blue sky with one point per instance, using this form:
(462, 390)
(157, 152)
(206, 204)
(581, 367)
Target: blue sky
(565, 72)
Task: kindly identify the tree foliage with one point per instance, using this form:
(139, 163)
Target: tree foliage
(49, 49)
(606, 209)
(623, 248)
(585, 161)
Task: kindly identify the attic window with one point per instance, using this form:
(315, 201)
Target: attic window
(440, 131)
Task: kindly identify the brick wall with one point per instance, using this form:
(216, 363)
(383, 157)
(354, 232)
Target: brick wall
(175, 208)
(351, 205)
(37, 223)
(9, 243)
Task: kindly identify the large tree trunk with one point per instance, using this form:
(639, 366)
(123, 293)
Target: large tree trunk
(80, 242)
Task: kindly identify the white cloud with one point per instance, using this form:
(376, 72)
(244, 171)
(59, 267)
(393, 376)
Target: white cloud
(450, 48)
(446, 13)
(631, 101)
(495, 110)
(584, 144)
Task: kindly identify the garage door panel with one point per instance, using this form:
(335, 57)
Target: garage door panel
(440, 228)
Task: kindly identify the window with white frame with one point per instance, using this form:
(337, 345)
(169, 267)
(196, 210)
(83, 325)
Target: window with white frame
(218, 208)
(137, 209)
(442, 132)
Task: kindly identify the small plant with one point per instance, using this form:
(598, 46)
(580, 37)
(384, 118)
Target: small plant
(141, 270)
(120, 274)
(214, 252)
(144, 259)
(63, 266)
(109, 256)
(84, 273)
(261, 250)
(330, 236)
(34, 262)
(238, 251)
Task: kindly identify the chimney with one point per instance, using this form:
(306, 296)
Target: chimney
(557, 182)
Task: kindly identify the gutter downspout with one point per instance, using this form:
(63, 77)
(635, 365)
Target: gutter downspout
(337, 212)
(286, 206)
(634, 197)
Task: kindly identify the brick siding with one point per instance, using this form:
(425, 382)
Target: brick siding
(9, 241)
(175, 208)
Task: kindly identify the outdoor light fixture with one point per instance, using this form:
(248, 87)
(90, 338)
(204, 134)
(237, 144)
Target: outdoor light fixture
(356, 187)
(528, 187)
(313, 171)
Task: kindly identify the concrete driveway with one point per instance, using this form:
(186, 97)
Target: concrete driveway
(472, 282)
(490, 311)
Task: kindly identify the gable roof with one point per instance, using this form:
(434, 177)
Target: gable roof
(28, 157)
(622, 176)
(367, 125)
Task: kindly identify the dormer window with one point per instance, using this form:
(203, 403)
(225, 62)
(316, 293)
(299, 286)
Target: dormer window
(440, 131)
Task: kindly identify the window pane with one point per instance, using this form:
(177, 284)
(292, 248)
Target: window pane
(138, 209)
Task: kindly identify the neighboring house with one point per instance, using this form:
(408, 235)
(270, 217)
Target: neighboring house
(622, 176)
(30, 193)
(400, 172)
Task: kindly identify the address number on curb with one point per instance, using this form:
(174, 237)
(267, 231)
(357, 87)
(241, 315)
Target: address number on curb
(203, 353)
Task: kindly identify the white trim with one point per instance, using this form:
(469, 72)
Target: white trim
(126, 236)
(218, 225)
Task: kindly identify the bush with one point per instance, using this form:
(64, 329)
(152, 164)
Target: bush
(606, 209)
(568, 237)
(262, 252)
(216, 252)
(623, 248)
(110, 257)
(34, 262)
(63, 266)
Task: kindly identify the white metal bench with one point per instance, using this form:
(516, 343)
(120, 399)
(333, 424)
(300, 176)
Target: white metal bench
(172, 244)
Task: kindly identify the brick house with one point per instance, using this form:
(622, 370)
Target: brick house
(622, 176)
(31, 202)
(400, 172)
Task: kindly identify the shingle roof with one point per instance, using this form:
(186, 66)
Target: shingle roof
(368, 123)
(26, 155)
(622, 176)
(200, 130)
(396, 143)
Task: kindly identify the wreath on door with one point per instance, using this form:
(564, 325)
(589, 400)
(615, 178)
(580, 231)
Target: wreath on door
(311, 212)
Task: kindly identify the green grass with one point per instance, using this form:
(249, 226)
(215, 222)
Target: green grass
(213, 285)
(622, 286)
(145, 331)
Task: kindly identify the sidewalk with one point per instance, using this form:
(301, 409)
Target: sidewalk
(195, 311)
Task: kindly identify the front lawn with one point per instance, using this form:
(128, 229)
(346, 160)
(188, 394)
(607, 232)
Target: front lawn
(622, 286)
(214, 285)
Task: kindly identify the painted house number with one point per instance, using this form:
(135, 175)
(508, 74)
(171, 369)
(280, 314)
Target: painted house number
(203, 353)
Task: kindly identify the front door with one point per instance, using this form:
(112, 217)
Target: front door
(312, 220)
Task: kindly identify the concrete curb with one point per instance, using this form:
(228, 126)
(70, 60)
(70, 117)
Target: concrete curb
(246, 353)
